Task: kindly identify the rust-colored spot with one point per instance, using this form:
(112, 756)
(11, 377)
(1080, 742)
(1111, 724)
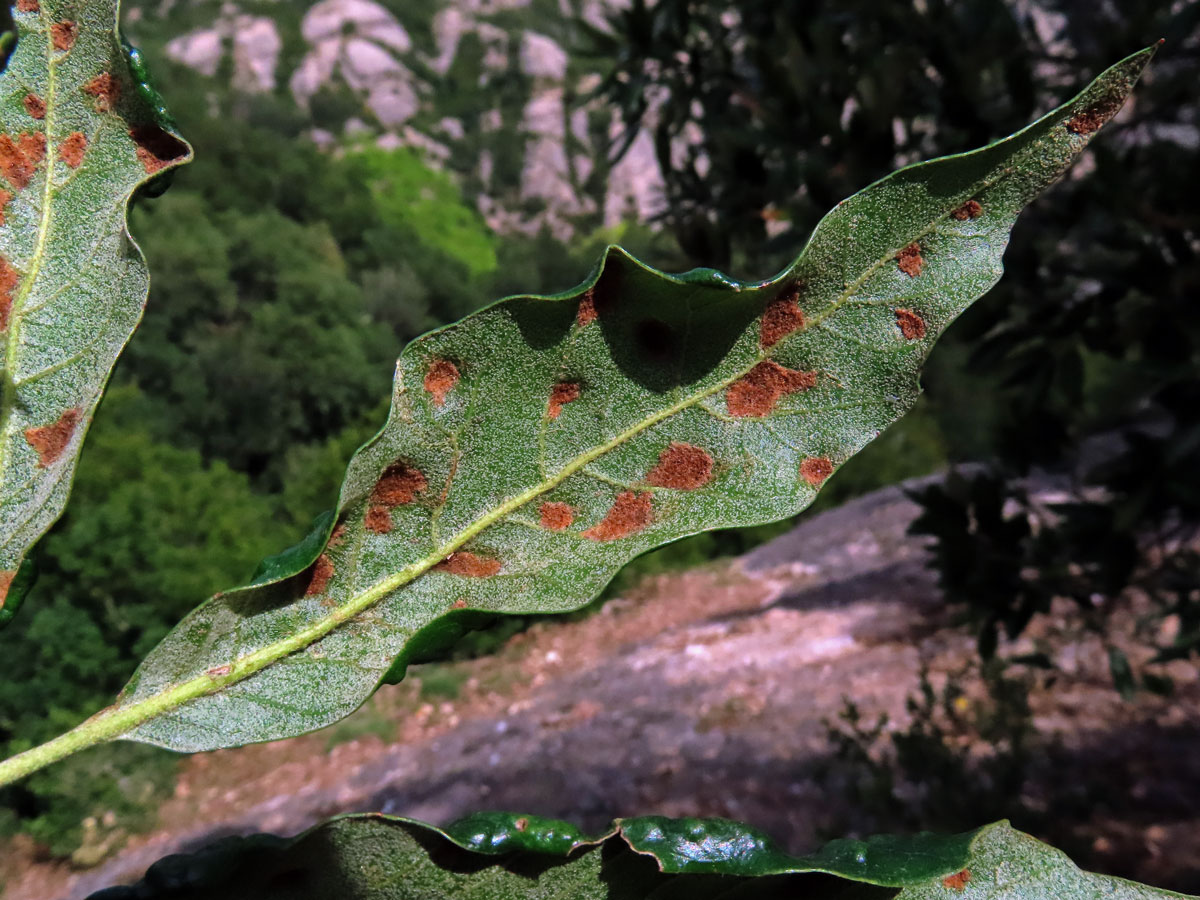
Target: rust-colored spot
(28, 6)
(909, 260)
(220, 671)
(816, 469)
(322, 572)
(557, 516)
(469, 565)
(35, 106)
(969, 210)
(9, 279)
(156, 148)
(72, 149)
(459, 604)
(339, 534)
(912, 326)
(19, 158)
(521, 824)
(62, 34)
(105, 89)
(6, 579)
(586, 314)
(1093, 119)
(781, 318)
(378, 519)
(757, 392)
(398, 485)
(560, 395)
(5, 197)
(51, 440)
(440, 380)
(630, 514)
(683, 467)
(958, 881)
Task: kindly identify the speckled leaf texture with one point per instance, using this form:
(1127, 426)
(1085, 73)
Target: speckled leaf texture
(506, 857)
(537, 446)
(76, 141)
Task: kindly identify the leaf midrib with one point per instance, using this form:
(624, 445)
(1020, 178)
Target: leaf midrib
(17, 311)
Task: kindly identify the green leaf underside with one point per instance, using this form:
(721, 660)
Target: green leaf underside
(500, 856)
(76, 141)
(454, 506)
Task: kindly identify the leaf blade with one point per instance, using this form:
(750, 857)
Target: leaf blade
(507, 857)
(664, 405)
(75, 144)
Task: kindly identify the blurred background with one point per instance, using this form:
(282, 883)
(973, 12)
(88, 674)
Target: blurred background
(369, 169)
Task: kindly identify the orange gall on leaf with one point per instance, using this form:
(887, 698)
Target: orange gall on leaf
(560, 395)
(958, 881)
(9, 279)
(51, 440)
(682, 467)
(28, 6)
(19, 159)
(556, 516)
(912, 326)
(440, 380)
(756, 393)
(63, 34)
(909, 260)
(969, 210)
(322, 573)
(71, 150)
(630, 513)
(5, 197)
(6, 580)
(781, 318)
(156, 148)
(35, 106)
(106, 90)
(816, 469)
(469, 565)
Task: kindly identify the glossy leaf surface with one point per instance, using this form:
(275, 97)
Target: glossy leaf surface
(507, 857)
(76, 141)
(537, 446)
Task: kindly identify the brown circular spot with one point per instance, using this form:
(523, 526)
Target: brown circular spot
(816, 469)
(682, 467)
(35, 106)
(440, 380)
(556, 516)
(909, 260)
(912, 326)
(560, 395)
(630, 513)
(969, 210)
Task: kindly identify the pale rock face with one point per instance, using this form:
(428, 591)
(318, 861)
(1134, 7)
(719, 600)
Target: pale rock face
(541, 57)
(199, 50)
(361, 43)
(255, 43)
(331, 18)
(256, 46)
